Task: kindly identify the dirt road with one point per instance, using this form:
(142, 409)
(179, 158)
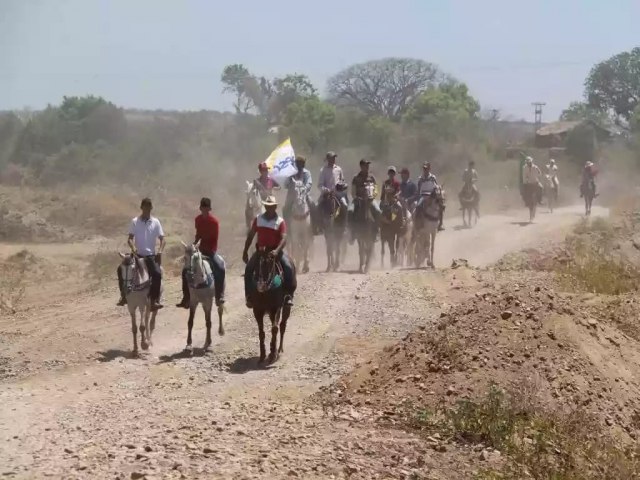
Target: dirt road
(74, 405)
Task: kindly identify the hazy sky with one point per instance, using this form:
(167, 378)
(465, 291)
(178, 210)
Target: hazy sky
(169, 53)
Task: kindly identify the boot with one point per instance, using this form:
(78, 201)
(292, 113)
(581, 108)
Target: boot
(155, 306)
(122, 302)
(184, 303)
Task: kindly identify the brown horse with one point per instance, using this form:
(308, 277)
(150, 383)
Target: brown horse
(392, 229)
(267, 298)
(333, 220)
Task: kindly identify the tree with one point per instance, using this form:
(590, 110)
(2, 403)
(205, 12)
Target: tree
(285, 91)
(384, 87)
(450, 100)
(237, 80)
(310, 121)
(614, 85)
(582, 111)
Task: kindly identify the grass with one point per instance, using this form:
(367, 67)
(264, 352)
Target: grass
(102, 266)
(536, 442)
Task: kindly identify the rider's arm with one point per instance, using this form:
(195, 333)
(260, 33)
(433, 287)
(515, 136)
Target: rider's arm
(131, 243)
(250, 236)
(160, 234)
(283, 237)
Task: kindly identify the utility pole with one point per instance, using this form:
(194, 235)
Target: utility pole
(538, 113)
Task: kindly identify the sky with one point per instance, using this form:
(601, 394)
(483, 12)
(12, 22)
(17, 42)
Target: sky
(169, 54)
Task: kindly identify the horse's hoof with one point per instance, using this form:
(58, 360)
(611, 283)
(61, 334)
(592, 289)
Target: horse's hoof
(221, 332)
(207, 346)
(273, 357)
(261, 361)
(135, 353)
(144, 345)
(188, 349)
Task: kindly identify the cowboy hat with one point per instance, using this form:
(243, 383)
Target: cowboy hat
(270, 201)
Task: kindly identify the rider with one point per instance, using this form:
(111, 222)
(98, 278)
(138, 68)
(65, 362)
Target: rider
(302, 175)
(207, 229)
(271, 230)
(358, 191)
(531, 178)
(469, 179)
(589, 173)
(264, 183)
(144, 233)
(408, 189)
(330, 176)
(427, 185)
(391, 191)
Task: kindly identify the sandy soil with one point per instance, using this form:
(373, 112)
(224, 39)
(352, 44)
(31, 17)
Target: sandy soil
(75, 405)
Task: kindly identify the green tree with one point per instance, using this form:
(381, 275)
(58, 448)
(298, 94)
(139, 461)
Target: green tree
(237, 79)
(582, 111)
(614, 85)
(386, 87)
(310, 122)
(450, 100)
(582, 144)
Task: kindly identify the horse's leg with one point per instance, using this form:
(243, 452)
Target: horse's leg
(134, 329)
(327, 243)
(220, 324)
(260, 319)
(152, 327)
(192, 314)
(433, 245)
(286, 311)
(274, 316)
(144, 319)
(207, 320)
(382, 240)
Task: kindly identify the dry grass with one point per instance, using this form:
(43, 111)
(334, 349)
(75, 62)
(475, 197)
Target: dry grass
(102, 266)
(13, 273)
(536, 442)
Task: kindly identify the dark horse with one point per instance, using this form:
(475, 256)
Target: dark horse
(267, 298)
(333, 220)
(392, 228)
(470, 203)
(364, 228)
(589, 193)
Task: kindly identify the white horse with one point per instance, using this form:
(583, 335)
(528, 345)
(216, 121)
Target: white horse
(254, 206)
(425, 230)
(300, 231)
(138, 283)
(201, 291)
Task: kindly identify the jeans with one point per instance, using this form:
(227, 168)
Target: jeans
(289, 281)
(219, 273)
(154, 274)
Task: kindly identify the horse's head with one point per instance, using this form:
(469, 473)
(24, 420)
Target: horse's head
(134, 270)
(267, 274)
(369, 190)
(194, 261)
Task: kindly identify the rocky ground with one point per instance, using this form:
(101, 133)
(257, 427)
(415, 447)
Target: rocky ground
(360, 353)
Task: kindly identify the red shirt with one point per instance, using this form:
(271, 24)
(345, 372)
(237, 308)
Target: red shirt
(269, 231)
(207, 229)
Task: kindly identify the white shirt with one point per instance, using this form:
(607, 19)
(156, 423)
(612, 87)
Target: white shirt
(329, 176)
(531, 174)
(146, 234)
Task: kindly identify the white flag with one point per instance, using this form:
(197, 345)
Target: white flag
(281, 162)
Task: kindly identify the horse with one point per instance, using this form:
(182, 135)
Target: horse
(254, 206)
(138, 283)
(589, 193)
(392, 228)
(364, 227)
(531, 197)
(470, 203)
(333, 225)
(551, 191)
(426, 221)
(299, 226)
(267, 298)
(201, 291)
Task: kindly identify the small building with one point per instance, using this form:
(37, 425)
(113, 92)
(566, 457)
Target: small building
(555, 134)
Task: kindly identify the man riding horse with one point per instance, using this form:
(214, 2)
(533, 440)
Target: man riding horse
(469, 179)
(207, 230)
(271, 230)
(144, 233)
(264, 183)
(531, 185)
(302, 176)
(428, 185)
(391, 192)
(364, 190)
(329, 183)
(589, 173)
(408, 190)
